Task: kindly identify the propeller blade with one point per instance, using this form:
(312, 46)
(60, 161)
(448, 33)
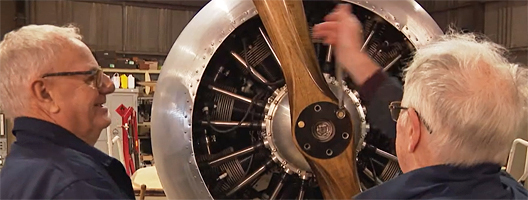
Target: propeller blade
(321, 130)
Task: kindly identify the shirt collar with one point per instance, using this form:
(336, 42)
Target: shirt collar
(29, 129)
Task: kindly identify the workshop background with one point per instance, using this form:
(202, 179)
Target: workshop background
(131, 38)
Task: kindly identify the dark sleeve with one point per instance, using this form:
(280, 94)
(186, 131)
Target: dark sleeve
(89, 189)
(376, 94)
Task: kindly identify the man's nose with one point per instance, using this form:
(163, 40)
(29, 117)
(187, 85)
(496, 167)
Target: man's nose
(108, 86)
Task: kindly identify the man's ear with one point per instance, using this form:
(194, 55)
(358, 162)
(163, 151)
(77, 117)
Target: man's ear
(416, 129)
(41, 93)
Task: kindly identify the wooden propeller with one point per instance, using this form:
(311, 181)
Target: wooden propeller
(286, 25)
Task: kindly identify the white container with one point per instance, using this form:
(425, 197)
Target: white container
(116, 80)
(131, 82)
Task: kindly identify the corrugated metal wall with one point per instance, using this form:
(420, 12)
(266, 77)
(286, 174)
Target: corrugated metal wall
(461, 14)
(116, 27)
(7, 21)
(507, 24)
(504, 22)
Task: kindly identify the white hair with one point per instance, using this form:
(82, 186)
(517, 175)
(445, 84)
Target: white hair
(25, 54)
(472, 98)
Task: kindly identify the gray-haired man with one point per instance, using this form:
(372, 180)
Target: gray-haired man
(463, 105)
(52, 86)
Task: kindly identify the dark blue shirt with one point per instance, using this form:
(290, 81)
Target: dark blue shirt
(49, 162)
(484, 181)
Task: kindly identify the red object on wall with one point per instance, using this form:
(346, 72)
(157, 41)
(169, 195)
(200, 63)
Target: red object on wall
(128, 120)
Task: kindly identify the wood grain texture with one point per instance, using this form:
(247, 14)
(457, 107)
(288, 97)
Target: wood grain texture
(286, 25)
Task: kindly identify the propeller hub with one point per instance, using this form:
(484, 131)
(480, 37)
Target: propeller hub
(323, 131)
(325, 123)
(278, 134)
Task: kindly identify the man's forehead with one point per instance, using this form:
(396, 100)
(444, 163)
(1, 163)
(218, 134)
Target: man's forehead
(76, 42)
(77, 57)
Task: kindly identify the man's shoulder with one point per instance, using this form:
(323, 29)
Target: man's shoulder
(449, 182)
(44, 171)
(518, 191)
(57, 159)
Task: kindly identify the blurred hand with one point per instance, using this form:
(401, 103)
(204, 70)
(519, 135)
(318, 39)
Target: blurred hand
(344, 32)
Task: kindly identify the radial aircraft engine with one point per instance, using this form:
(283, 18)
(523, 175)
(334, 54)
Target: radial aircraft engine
(249, 106)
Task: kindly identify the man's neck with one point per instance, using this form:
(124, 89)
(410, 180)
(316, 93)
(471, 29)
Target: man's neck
(46, 117)
(421, 160)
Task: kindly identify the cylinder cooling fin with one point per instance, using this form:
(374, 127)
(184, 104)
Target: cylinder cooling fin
(221, 119)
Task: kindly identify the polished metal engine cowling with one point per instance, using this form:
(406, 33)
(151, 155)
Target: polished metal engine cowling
(191, 84)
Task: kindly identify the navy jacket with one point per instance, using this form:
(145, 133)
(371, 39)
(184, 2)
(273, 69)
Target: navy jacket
(49, 162)
(484, 181)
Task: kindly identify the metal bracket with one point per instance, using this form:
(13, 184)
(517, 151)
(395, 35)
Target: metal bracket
(511, 156)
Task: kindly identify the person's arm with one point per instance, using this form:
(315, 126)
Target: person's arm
(89, 189)
(343, 30)
(376, 93)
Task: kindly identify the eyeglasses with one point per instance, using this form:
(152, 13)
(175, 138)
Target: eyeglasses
(395, 110)
(96, 73)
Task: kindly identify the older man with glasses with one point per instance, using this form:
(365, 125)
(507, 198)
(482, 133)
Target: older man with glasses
(52, 86)
(463, 104)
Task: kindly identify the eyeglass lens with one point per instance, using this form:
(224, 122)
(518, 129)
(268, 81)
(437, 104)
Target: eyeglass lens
(99, 78)
(395, 109)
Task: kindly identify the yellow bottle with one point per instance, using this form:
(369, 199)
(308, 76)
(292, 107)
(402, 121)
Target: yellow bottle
(124, 81)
